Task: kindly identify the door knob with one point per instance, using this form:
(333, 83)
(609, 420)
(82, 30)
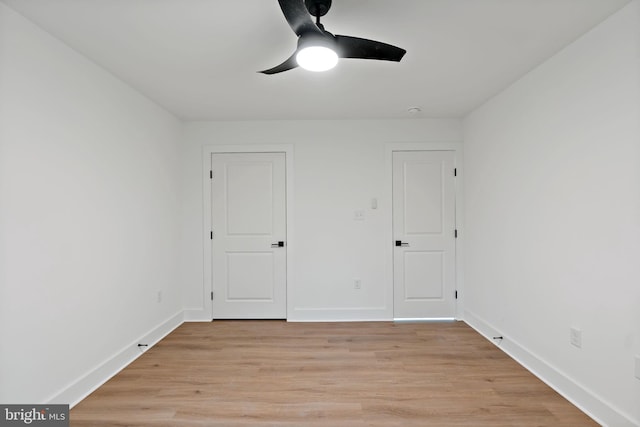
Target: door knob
(278, 245)
(401, 243)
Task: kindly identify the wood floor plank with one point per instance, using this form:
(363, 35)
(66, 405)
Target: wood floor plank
(273, 373)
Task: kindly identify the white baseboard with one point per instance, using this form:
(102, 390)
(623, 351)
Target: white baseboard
(196, 315)
(583, 398)
(87, 384)
(340, 315)
(357, 314)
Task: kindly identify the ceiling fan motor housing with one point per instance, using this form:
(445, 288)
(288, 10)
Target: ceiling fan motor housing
(312, 39)
(318, 7)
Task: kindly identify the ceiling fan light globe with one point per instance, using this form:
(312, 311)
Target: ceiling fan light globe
(317, 58)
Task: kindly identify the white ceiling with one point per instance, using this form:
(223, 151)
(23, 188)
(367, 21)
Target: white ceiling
(198, 58)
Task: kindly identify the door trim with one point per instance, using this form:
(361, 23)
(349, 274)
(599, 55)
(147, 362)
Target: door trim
(207, 151)
(457, 148)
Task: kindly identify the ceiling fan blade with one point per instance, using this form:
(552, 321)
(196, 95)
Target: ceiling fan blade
(296, 14)
(285, 66)
(354, 47)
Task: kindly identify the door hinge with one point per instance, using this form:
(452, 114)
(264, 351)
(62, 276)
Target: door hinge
(211, 295)
(456, 294)
(455, 233)
(455, 171)
(210, 174)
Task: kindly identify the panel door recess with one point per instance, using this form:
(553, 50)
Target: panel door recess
(249, 235)
(424, 234)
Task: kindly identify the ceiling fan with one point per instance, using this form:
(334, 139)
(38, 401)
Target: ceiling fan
(318, 49)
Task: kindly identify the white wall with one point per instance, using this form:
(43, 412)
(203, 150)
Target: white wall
(339, 166)
(88, 215)
(553, 218)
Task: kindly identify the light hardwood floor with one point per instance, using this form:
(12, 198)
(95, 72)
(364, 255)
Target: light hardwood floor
(273, 373)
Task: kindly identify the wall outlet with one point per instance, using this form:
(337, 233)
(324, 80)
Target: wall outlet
(575, 337)
(159, 296)
(638, 367)
(357, 284)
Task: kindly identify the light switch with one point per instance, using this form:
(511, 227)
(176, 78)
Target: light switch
(374, 203)
(358, 215)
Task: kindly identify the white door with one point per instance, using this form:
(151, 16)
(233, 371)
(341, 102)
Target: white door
(249, 236)
(424, 234)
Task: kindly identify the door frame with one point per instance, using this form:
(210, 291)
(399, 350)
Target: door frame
(207, 152)
(457, 148)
